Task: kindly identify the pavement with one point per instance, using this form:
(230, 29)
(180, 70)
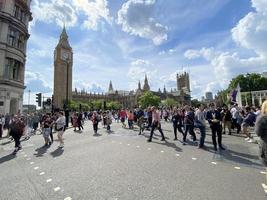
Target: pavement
(123, 166)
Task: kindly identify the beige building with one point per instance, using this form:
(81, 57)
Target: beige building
(14, 20)
(63, 60)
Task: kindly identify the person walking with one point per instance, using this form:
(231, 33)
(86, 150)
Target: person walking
(95, 120)
(17, 129)
(61, 125)
(123, 115)
(200, 123)
(176, 122)
(227, 120)
(140, 120)
(189, 124)
(47, 124)
(80, 121)
(130, 117)
(248, 121)
(235, 118)
(155, 124)
(214, 119)
(2, 124)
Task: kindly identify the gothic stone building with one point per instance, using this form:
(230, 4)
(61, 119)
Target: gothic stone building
(129, 99)
(14, 20)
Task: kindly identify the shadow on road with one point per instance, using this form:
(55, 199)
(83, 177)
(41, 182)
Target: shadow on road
(58, 152)
(171, 145)
(41, 151)
(7, 158)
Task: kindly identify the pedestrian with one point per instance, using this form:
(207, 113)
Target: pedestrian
(2, 124)
(130, 117)
(17, 129)
(248, 121)
(80, 121)
(35, 122)
(214, 119)
(95, 120)
(261, 131)
(226, 120)
(155, 124)
(189, 124)
(75, 121)
(176, 122)
(123, 115)
(236, 118)
(140, 120)
(108, 121)
(61, 125)
(47, 124)
(200, 123)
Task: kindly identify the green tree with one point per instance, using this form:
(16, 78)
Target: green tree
(195, 102)
(169, 102)
(114, 105)
(148, 99)
(98, 104)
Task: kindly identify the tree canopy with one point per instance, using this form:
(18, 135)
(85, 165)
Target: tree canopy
(169, 102)
(148, 99)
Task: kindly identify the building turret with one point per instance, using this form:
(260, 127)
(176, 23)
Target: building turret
(146, 85)
(110, 88)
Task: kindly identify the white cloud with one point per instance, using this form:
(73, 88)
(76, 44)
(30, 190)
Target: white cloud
(36, 83)
(68, 12)
(94, 10)
(93, 87)
(136, 18)
(249, 33)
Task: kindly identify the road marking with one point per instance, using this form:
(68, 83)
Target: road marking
(161, 151)
(177, 155)
(137, 146)
(128, 144)
(214, 163)
(42, 173)
(25, 155)
(56, 189)
(31, 163)
(194, 158)
(263, 172)
(237, 168)
(28, 159)
(36, 168)
(49, 180)
(264, 187)
(22, 152)
(148, 149)
(67, 198)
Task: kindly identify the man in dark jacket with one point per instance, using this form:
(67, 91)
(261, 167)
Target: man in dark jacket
(17, 127)
(214, 119)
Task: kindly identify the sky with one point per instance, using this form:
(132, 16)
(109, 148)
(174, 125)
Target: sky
(122, 40)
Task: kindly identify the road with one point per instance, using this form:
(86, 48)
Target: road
(123, 166)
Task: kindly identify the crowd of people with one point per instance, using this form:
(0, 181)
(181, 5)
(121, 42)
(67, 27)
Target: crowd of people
(185, 120)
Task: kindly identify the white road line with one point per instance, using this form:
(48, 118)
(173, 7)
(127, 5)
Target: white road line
(263, 172)
(214, 163)
(36, 168)
(137, 146)
(112, 142)
(28, 159)
(56, 189)
(22, 152)
(161, 151)
(42, 173)
(264, 186)
(31, 163)
(49, 180)
(194, 158)
(25, 155)
(120, 143)
(67, 198)
(177, 155)
(128, 144)
(237, 168)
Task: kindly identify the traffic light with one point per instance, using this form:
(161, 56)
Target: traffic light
(39, 99)
(48, 102)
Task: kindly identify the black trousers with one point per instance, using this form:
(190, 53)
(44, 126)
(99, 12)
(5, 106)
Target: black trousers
(154, 126)
(1, 130)
(175, 127)
(95, 127)
(236, 125)
(51, 135)
(189, 128)
(216, 130)
(17, 140)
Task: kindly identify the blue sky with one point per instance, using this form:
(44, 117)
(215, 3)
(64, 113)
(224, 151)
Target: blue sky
(122, 40)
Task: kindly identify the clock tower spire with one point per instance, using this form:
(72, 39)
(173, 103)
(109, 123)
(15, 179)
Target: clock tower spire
(63, 61)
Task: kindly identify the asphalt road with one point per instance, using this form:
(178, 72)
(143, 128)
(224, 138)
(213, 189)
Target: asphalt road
(122, 166)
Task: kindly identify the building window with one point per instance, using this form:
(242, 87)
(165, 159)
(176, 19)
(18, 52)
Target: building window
(16, 39)
(1, 4)
(13, 69)
(19, 13)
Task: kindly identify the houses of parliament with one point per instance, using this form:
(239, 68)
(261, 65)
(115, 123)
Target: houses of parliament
(63, 62)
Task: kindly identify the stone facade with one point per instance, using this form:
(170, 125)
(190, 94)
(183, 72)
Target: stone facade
(14, 20)
(63, 61)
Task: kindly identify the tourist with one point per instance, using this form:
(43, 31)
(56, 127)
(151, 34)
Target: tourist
(214, 119)
(130, 117)
(248, 121)
(75, 121)
(2, 124)
(123, 115)
(108, 121)
(200, 123)
(47, 124)
(140, 120)
(155, 124)
(236, 118)
(95, 120)
(189, 124)
(177, 123)
(61, 125)
(261, 131)
(80, 121)
(226, 120)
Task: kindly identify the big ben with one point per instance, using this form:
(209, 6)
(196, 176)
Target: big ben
(63, 61)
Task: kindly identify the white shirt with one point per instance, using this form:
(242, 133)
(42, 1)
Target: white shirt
(61, 122)
(234, 113)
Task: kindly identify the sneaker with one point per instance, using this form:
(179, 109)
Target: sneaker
(175, 139)
(163, 139)
(221, 148)
(250, 140)
(149, 140)
(247, 138)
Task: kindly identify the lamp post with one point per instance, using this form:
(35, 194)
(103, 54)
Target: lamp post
(67, 94)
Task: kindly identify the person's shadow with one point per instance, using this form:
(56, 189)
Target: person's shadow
(7, 158)
(41, 151)
(58, 152)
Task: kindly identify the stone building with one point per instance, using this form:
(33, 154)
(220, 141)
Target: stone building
(14, 20)
(63, 61)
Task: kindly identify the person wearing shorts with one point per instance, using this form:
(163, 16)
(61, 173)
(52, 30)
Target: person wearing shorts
(60, 124)
(47, 124)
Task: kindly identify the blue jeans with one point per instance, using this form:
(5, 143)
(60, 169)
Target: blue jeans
(202, 129)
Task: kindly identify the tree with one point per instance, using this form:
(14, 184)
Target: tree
(195, 102)
(169, 102)
(114, 105)
(148, 99)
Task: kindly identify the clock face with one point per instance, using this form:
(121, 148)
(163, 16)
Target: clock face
(65, 55)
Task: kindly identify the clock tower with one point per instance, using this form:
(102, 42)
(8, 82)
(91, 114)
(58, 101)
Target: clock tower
(63, 61)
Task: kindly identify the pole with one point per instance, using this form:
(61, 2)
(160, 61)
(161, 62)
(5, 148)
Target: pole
(67, 86)
(29, 98)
